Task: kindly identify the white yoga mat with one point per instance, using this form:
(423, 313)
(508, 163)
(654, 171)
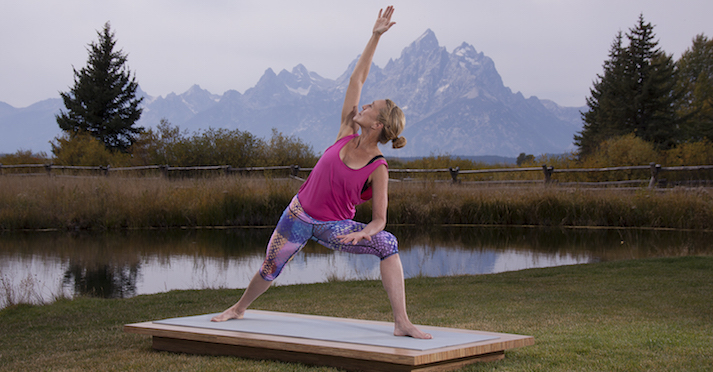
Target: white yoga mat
(327, 329)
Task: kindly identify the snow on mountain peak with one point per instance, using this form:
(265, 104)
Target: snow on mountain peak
(464, 50)
(300, 71)
(300, 91)
(467, 52)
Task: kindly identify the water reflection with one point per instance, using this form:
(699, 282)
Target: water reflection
(38, 266)
(101, 280)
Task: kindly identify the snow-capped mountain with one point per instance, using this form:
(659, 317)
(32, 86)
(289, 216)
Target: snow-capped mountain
(176, 108)
(455, 104)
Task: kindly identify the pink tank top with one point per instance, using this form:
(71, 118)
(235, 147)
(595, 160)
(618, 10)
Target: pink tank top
(333, 190)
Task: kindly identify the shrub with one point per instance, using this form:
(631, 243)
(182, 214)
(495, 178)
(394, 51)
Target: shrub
(284, 150)
(623, 151)
(83, 149)
(24, 157)
(168, 145)
(690, 153)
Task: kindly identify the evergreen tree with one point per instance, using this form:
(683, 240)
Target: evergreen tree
(652, 79)
(103, 100)
(634, 95)
(695, 88)
(605, 108)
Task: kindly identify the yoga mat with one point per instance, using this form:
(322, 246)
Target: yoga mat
(327, 329)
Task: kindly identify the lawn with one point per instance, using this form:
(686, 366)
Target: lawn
(636, 315)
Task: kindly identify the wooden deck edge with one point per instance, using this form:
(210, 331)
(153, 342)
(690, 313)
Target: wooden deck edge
(193, 340)
(343, 362)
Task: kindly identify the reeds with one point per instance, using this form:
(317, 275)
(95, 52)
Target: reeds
(112, 203)
(445, 204)
(122, 203)
(29, 290)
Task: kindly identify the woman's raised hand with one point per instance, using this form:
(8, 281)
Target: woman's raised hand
(383, 23)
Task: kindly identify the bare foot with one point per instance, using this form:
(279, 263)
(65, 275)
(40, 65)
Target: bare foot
(410, 330)
(227, 315)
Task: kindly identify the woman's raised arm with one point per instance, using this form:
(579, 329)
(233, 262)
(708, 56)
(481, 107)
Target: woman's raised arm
(361, 71)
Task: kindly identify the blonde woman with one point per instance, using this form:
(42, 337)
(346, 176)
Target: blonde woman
(350, 172)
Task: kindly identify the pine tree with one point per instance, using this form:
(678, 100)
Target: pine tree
(634, 95)
(652, 79)
(605, 109)
(695, 87)
(103, 100)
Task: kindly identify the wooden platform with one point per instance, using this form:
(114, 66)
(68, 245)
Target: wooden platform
(356, 345)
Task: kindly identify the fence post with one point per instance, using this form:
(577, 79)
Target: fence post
(548, 173)
(294, 170)
(164, 170)
(454, 173)
(106, 170)
(0, 169)
(655, 169)
(48, 168)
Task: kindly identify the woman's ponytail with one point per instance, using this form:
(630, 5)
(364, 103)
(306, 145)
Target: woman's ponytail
(394, 121)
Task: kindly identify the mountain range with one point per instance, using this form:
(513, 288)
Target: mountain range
(455, 104)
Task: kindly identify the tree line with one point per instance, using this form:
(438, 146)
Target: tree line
(167, 144)
(644, 93)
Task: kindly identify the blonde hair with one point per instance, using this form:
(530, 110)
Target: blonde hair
(394, 121)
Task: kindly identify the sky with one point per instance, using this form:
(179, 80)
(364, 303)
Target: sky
(552, 49)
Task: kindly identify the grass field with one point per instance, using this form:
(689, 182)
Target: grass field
(636, 315)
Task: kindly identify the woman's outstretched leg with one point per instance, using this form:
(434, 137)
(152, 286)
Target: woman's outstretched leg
(288, 238)
(257, 286)
(392, 276)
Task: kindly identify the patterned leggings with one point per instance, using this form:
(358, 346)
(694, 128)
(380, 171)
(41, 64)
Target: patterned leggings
(296, 227)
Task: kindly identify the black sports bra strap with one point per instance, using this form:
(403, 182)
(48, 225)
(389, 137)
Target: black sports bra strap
(375, 158)
(366, 184)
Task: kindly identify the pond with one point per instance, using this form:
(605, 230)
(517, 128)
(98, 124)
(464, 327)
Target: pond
(38, 267)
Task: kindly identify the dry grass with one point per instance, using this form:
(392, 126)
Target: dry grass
(120, 203)
(430, 203)
(27, 291)
(130, 203)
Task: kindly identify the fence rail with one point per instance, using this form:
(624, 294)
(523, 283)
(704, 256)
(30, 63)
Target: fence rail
(655, 171)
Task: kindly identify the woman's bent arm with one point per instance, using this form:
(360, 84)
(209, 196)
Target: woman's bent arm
(379, 206)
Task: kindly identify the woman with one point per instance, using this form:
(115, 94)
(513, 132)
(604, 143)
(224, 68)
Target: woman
(349, 172)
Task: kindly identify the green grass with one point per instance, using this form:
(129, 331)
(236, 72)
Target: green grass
(637, 315)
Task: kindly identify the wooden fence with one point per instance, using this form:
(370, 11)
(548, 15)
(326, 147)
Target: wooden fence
(457, 175)
(547, 172)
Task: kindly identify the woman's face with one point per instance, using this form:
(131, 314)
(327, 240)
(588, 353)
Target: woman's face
(370, 113)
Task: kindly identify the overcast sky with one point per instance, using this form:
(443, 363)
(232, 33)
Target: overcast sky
(551, 49)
